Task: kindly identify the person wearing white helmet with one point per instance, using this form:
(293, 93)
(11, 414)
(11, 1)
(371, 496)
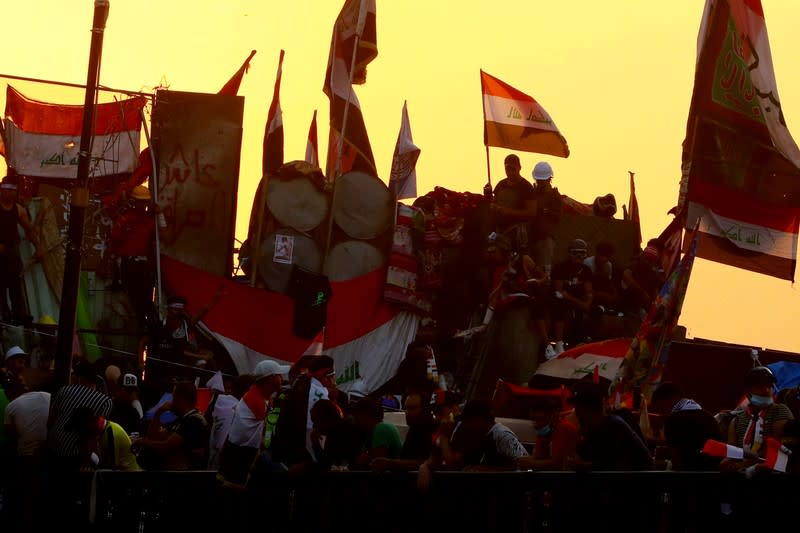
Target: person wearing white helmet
(548, 214)
(513, 205)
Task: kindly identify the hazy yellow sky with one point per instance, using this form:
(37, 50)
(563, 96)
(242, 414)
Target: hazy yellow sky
(615, 76)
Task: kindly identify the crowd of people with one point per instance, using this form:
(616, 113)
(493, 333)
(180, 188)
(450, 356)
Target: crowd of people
(566, 299)
(294, 421)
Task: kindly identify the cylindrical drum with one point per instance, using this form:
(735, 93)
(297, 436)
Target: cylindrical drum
(351, 259)
(363, 205)
(280, 250)
(297, 203)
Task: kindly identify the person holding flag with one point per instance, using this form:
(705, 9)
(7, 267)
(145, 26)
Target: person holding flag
(761, 420)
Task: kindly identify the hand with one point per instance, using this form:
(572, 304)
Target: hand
(525, 462)
(380, 464)
(446, 427)
(137, 445)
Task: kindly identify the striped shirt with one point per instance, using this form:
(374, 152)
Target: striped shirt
(64, 402)
(774, 413)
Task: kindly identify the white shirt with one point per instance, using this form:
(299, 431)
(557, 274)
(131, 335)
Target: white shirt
(27, 415)
(221, 418)
(247, 425)
(316, 392)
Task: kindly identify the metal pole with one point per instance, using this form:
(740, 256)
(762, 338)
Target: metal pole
(76, 85)
(154, 195)
(78, 204)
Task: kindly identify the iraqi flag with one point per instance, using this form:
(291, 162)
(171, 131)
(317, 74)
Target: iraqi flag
(740, 165)
(272, 154)
(777, 456)
(312, 146)
(403, 178)
(715, 448)
(514, 120)
(366, 337)
(602, 358)
(353, 43)
(43, 139)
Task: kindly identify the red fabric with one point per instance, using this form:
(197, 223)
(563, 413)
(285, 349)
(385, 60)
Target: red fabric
(231, 88)
(203, 399)
(34, 116)
(255, 402)
(262, 319)
(565, 439)
(132, 234)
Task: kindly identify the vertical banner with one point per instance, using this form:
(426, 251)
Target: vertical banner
(198, 138)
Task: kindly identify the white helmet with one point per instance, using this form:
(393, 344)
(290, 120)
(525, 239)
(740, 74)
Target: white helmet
(542, 171)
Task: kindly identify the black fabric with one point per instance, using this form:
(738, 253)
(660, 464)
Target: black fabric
(126, 415)
(195, 432)
(549, 205)
(310, 292)
(574, 276)
(419, 440)
(9, 219)
(512, 193)
(686, 432)
(289, 440)
(613, 445)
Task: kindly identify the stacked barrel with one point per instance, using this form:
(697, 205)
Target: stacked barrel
(303, 219)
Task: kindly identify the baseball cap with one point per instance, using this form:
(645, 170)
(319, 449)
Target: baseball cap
(128, 381)
(15, 351)
(268, 367)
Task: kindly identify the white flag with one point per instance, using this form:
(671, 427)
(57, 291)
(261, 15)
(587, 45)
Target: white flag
(403, 179)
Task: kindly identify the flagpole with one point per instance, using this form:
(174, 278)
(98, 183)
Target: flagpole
(340, 144)
(255, 252)
(154, 194)
(79, 201)
(488, 167)
(485, 141)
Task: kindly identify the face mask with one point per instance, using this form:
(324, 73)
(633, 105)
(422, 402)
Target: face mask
(545, 431)
(760, 401)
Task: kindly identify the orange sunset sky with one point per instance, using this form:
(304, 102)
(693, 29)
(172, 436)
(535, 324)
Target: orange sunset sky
(616, 77)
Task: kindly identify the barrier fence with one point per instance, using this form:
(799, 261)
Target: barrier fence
(660, 501)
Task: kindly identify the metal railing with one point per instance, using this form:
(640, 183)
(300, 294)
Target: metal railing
(468, 501)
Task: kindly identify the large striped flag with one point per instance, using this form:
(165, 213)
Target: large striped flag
(272, 154)
(644, 361)
(514, 120)
(43, 139)
(312, 146)
(231, 87)
(353, 43)
(403, 178)
(741, 167)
